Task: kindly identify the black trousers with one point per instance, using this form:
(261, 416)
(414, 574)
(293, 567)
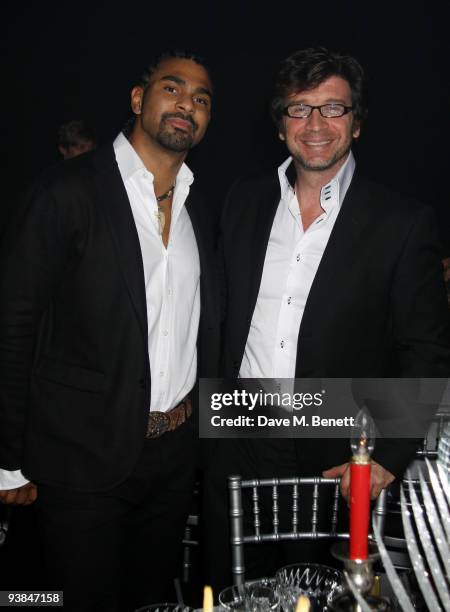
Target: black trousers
(120, 549)
(263, 458)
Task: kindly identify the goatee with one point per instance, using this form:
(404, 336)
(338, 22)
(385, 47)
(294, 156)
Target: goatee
(175, 139)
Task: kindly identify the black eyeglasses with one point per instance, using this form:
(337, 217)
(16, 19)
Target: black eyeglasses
(298, 110)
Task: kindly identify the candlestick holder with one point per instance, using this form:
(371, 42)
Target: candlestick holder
(361, 574)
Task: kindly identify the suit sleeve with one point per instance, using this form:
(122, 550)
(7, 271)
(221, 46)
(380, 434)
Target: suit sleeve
(35, 255)
(420, 319)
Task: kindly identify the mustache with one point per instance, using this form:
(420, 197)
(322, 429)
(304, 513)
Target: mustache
(180, 116)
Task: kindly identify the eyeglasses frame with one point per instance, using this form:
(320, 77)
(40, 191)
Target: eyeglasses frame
(347, 109)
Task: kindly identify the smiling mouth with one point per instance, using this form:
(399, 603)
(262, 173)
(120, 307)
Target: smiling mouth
(322, 143)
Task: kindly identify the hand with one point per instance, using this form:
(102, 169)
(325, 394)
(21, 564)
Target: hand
(379, 478)
(22, 496)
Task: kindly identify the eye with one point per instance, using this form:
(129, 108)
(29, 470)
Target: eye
(203, 101)
(298, 109)
(170, 88)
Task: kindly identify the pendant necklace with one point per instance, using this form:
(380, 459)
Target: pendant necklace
(160, 215)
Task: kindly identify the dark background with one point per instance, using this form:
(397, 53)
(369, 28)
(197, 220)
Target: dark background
(80, 60)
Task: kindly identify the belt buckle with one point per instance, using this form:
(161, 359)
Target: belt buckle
(158, 424)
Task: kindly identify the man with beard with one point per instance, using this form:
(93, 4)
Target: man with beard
(327, 275)
(101, 301)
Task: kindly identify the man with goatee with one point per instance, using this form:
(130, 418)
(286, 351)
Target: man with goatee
(101, 307)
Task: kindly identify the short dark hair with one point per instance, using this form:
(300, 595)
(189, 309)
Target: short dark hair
(165, 55)
(307, 68)
(74, 133)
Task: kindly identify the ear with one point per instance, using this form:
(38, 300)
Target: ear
(356, 130)
(281, 129)
(137, 93)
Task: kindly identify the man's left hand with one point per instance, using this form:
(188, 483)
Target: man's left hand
(379, 478)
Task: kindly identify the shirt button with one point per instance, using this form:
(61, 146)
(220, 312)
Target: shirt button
(282, 343)
(289, 300)
(165, 332)
(298, 257)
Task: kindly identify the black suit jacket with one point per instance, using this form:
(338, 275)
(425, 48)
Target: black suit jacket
(73, 313)
(377, 306)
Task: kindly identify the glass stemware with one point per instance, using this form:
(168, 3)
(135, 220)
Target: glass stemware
(319, 583)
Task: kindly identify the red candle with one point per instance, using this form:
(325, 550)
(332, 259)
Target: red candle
(359, 506)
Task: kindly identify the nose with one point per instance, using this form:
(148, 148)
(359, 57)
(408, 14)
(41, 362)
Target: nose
(185, 103)
(315, 120)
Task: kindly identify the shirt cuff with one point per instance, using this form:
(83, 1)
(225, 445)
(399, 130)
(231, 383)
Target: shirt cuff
(11, 479)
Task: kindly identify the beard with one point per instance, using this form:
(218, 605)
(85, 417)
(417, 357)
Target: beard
(175, 139)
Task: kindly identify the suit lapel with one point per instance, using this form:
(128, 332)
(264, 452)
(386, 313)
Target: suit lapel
(113, 198)
(200, 230)
(339, 254)
(196, 220)
(265, 214)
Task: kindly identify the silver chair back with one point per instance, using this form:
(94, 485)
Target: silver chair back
(297, 485)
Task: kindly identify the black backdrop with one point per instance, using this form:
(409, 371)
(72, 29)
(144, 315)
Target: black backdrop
(80, 59)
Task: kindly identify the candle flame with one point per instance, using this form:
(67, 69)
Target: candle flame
(303, 604)
(208, 600)
(363, 435)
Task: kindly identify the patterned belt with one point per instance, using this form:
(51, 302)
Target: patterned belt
(161, 422)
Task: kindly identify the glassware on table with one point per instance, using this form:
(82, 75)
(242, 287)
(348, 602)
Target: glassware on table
(254, 596)
(262, 598)
(233, 598)
(165, 607)
(267, 582)
(319, 583)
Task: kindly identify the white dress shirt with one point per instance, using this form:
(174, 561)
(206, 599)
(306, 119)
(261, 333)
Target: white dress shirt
(291, 262)
(172, 286)
(172, 279)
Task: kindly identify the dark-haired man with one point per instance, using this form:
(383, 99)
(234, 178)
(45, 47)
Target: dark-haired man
(327, 275)
(101, 300)
(75, 137)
